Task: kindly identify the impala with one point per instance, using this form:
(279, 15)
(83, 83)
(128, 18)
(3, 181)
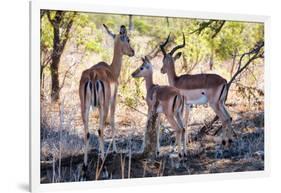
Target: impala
(98, 89)
(170, 103)
(199, 89)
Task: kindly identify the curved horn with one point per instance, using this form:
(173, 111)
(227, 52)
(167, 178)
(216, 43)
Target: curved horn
(179, 46)
(164, 44)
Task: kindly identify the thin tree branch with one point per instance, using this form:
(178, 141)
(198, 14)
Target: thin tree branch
(65, 74)
(258, 53)
(217, 30)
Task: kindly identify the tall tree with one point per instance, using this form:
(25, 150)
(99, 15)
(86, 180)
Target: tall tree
(131, 23)
(61, 23)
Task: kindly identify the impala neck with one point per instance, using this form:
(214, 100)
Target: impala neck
(172, 75)
(148, 81)
(117, 60)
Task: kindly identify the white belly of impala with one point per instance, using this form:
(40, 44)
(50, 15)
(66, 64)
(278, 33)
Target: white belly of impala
(159, 109)
(199, 101)
(195, 96)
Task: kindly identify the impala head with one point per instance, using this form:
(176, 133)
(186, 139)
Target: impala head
(169, 58)
(144, 70)
(122, 41)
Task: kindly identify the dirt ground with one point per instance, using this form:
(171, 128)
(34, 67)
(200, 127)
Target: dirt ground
(206, 155)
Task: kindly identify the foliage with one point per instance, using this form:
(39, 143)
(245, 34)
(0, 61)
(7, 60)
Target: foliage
(208, 42)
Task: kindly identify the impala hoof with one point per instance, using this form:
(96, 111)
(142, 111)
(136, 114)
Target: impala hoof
(223, 142)
(83, 175)
(180, 155)
(157, 153)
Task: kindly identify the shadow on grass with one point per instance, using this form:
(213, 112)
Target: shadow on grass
(245, 154)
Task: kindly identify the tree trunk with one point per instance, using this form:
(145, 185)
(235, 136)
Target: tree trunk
(150, 134)
(55, 65)
(55, 79)
(59, 41)
(167, 21)
(131, 23)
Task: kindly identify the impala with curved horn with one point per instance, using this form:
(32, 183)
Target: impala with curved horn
(199, 89)
(98, 89)
(170, 103)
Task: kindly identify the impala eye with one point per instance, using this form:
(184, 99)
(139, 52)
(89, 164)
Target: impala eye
(141, 68)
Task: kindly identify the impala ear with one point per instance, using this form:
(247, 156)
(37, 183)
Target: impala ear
(123, 30)
(108, 31)
(177, 56)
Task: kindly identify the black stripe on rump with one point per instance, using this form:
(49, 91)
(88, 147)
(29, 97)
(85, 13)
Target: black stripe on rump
(222, 91)
(102, 87)
(174, 102)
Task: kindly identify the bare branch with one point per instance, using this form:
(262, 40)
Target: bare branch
(66, 74)
(254, 54)
(215, 25)
(217, 30)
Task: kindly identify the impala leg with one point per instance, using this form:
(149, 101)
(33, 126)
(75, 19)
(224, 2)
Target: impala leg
(85, 117)
(223, 109)
(100, 132)
(146, 124)
(223, 119)
(158, 135)
(229, 132)
(103, 112)
(178, 130)
(112, 119)
(85, 108)
(187, 114)
(184, 131)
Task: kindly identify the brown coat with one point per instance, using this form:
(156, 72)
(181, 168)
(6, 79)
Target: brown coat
(199, 81)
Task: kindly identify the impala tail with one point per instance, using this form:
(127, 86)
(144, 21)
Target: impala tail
(94, 92)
